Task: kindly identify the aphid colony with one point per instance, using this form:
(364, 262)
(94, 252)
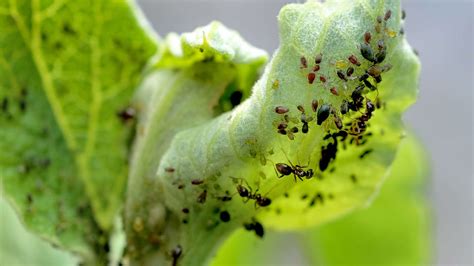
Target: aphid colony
(361, 72)
(354, 78)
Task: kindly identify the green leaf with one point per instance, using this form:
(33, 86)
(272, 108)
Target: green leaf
(243, 147)
(191, 83)
(20, 247)
(66, 69)
(394, 230)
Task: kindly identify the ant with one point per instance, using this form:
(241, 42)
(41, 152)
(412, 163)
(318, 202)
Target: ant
(296, 170)
(246, 192)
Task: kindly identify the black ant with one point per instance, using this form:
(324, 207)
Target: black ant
(296, 170)
(246, 192)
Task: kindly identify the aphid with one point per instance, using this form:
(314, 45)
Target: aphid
(185, 210)
(404, 14)
(333, 90)
(281, 110)
(282, 125)
(349, 71)
(353, 60)
(374, 71)
(224, 216)
(256, 227)
(275, 84)
(369, 106)
(311, 77)
(127, 114)
(294, 130)
(341, 75)
(169, 169)
(381, 44)
(353, 178)
(340, 64)
(236, 98)
(369, 85)
(344, 107)
(380, 56)
(300, 108)
(367, 37)
(364, 77)
(225, 198)
(314, 105)
(5, 104)
(290, 136)
(379, 19)
(322, 78)
(366, 52)
(323, 113)
(305, 128)
(388, 14)
(316, 68)
(22, 104)
(282, 131)
(303, 62)
(318, 58)
(365, 153)
(202, 197)
(197, 181)
(175, 254)
(337, 121)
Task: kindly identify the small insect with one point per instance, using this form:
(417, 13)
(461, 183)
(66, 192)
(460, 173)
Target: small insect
(365, 153)
(367, 37)
(127, 114)
(366, 52)
(322, 78)
(297, 171)
(318, 58)
(337, 121)
(374, 71)
(185, 210)
(344, 107)
(314, 105)
(311, 77)
(333, 90)
(224, 216)
(236, 98)
(281, 110)
(202, 197)
(364, 77)
(388, 14)
(246, 192)
(300, 108)
(5, 104)
(294, 130)
(341, 75)
(303, 62)
(197, 181)
(379, 19)
(369, 85)
(275, 84)
(380, 56)
(404, 14)
(381, 44)
(283, 125)
(323, 113)
(350, 71)
(256, 227)
(175, 254)
(353, 60)
(316, 68)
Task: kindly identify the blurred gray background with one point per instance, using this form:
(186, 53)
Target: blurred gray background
(442, 31)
